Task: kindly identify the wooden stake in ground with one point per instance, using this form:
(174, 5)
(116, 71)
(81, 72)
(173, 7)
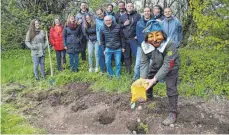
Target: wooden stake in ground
(52, 80)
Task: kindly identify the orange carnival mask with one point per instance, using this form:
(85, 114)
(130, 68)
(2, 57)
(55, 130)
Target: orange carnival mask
(155, 38)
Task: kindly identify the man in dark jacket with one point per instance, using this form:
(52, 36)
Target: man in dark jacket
(160, 60)
(122, 11)
(110, 10)
(113, 44)
(80, 17)
(128, 23)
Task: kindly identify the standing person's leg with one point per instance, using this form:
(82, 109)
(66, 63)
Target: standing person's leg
(71, 61)
(101, 59)
(172, 93)
(84, 46)
(134, 46)
(96, 57)
(90, 55)
(35, 66)
(137, 64)
(108, 55)
(58, 59)
(42, 66)
(76, 57)
(117, 55)
(63, 58)
(127, 58)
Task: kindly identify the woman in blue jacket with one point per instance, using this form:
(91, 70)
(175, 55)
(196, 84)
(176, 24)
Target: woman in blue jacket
(140, 38)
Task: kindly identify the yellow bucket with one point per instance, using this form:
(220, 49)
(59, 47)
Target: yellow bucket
(138, 90)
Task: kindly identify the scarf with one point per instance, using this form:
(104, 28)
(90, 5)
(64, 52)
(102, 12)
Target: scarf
(72, 26)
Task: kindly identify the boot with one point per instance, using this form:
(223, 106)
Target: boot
(173, 103)
(170, 119)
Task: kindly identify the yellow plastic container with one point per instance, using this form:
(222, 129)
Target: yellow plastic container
(138, 90)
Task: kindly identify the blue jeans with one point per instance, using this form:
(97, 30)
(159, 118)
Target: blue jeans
(101, 59)
(36, 62)
(137, 63)
(93, 46)
(117, 55)
(74, 61)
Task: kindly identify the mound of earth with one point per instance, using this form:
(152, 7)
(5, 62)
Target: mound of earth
(74, 108)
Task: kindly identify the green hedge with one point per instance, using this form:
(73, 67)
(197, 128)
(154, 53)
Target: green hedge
(204, 72)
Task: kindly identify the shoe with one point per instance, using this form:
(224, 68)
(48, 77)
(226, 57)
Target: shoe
(90, 69)
(37, 79)
(96, 70)
(170, 119)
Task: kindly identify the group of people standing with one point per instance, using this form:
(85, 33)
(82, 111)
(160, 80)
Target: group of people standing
(108, 37)
(152, 39)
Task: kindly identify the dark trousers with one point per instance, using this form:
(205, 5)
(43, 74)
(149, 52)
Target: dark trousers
(60, 59)
(83, 52)
(131, 48)
(127, 58)
(171, 88)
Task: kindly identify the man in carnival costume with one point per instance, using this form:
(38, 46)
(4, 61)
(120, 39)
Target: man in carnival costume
(160, 61)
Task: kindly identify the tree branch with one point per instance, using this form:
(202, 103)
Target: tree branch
(213, 6)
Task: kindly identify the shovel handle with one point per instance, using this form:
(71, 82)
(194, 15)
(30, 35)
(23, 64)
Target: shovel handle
(50, 60)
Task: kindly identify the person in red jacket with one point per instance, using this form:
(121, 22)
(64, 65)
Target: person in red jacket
(56, 39)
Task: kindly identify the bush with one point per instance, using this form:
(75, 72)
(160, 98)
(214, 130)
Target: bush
(204, 72)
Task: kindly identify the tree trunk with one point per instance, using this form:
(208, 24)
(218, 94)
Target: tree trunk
(188, 23)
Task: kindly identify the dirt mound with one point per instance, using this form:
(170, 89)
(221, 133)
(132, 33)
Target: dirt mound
(75, 108)
(79, 106)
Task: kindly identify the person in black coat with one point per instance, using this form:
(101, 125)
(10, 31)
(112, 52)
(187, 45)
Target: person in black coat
(90, 34)
(112, 41)
(72, 37)
(121, 11)
(128, 23)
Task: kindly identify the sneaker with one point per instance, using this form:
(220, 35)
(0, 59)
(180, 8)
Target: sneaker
(37, 79)
(170, 119)
(90, 69)
(96, 70)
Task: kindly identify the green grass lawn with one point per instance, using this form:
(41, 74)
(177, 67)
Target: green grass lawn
(17, 66)
(12, 123)
(202, 73)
